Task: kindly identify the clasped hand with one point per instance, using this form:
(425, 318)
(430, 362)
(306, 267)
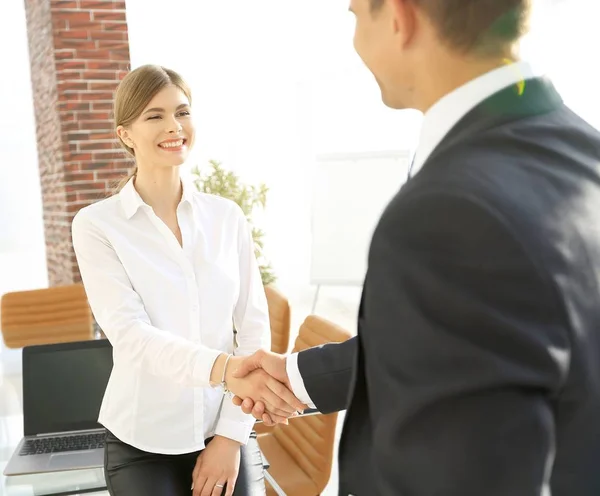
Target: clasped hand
(261, 387)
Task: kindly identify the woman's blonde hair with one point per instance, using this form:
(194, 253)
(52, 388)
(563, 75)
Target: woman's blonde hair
(133, 95)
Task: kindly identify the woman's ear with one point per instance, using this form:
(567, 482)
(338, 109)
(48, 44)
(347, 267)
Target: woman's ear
(124, 135)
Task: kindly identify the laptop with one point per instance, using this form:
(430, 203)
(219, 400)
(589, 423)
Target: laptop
(63, 387)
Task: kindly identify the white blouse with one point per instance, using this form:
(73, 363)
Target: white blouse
(169, 311)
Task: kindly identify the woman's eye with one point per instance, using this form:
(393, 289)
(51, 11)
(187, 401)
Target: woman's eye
(154, 117)
(184, 112)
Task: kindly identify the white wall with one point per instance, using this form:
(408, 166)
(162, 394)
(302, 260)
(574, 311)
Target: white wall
(22, 249)
(564, 43)
(275, 83)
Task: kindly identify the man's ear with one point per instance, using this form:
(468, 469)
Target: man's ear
(404, 13)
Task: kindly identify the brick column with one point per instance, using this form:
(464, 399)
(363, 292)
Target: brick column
(79, 51)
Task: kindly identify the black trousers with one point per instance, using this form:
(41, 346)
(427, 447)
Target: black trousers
(132, 472)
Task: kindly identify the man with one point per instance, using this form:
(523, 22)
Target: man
(476, 369)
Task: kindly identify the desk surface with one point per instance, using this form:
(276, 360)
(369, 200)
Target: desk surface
(11, 431)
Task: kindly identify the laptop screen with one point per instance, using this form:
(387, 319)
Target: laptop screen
(63, 385)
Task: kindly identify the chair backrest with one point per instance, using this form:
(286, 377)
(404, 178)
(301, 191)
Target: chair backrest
(310, 440)
(43, 316)
(279, 316)
(315, 331)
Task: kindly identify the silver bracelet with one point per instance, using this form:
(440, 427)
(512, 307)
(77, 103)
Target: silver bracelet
(223, 383)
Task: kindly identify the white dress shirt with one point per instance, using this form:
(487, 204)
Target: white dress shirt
(437, 123)
(169, 310)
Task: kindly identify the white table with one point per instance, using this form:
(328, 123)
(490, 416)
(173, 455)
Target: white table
(11, 431)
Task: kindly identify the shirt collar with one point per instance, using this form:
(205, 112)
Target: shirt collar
(132, 201)
(447, 111)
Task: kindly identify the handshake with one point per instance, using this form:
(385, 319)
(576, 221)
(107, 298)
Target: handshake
(261, 387)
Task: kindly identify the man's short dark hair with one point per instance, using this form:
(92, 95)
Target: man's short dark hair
(487, 27)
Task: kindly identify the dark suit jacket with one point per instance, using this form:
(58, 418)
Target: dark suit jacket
(476, 370)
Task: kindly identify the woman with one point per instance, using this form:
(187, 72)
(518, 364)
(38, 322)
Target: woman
(169, 272)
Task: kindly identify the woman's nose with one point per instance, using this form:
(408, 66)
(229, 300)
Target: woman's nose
(174, 126)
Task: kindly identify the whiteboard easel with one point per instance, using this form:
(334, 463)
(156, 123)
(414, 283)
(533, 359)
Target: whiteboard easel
(351, 190)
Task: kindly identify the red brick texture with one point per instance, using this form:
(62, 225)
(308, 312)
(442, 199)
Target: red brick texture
(79, 51)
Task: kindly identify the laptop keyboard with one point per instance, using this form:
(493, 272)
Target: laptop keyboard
(79, 442)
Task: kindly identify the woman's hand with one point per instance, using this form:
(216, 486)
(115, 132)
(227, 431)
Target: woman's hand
(217, 465)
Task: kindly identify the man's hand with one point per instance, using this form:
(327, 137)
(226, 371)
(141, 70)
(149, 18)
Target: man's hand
(245, 379)
(260, 386)
(274, 365)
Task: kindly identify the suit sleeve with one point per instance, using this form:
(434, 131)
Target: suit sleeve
(327, 374)
(466, 344)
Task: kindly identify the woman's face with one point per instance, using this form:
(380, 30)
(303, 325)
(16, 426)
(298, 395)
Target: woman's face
(163, 135)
